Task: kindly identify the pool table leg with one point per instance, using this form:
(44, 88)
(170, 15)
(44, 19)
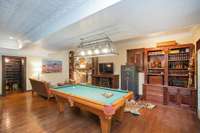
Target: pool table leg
(119, 114)
(61, 107)
(61, 104)
(105, 124)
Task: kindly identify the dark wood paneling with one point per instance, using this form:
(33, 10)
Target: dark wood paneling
(170, 95)
(156, 80)
(198, 45)
(23, 70)
(71, 66)
(155, 93)
(3, 76)
(95, 65)
(136, 57)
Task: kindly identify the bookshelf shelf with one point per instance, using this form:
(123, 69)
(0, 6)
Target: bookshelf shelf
(157, 68)
(154, 74)
(178, 75)
(156, 55)
(179, 60)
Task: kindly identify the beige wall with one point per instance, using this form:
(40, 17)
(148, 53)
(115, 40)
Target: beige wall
(146, 42)
(196, 33)
(34, 62)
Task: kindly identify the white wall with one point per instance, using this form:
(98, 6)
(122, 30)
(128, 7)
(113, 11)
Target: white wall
(36, 61)
(196, 33)
(145, 42)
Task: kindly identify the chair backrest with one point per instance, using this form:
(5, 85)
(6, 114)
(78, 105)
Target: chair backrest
(40, 87)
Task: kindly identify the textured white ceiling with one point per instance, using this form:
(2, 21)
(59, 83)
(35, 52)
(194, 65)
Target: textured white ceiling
(128, 19)
(57, 24)
(35, 19)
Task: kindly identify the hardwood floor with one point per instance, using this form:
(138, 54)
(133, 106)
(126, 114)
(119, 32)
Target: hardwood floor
(22, 113)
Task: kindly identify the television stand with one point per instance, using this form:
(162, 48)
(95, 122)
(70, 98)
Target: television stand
(106, 80)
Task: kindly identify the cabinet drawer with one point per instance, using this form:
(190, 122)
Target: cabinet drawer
(155, 98)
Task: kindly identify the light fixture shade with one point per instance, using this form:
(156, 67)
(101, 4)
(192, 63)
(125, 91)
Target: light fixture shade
(96, 47)
(96, 51)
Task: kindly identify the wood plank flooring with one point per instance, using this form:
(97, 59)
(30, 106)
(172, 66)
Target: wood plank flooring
(22, 113)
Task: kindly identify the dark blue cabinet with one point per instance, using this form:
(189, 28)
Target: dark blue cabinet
(129, 79)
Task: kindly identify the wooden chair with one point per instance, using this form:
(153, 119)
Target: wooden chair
(40, 87)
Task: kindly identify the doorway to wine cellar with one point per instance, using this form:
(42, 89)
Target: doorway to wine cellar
(13, 74)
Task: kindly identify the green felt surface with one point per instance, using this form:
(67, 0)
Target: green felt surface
(93, 93)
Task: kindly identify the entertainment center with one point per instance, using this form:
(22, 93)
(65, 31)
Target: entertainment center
(105, 76)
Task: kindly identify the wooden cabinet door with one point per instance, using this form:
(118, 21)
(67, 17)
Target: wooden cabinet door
(136, 57)
(95, 65)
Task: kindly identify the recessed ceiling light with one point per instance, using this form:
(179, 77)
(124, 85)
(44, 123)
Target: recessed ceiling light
(105, 50)
(20, 46)
(10, 37)
(96, 51)
(82, 53)
(89, 52)
(7, 60)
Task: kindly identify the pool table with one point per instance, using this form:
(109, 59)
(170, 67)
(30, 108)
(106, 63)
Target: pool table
(92, 99)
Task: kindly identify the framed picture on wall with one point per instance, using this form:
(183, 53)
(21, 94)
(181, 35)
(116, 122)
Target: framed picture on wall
(51, 66)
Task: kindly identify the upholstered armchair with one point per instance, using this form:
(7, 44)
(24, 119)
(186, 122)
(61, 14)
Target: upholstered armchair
(41, 88)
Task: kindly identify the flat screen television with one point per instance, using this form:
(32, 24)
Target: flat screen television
(106, 68)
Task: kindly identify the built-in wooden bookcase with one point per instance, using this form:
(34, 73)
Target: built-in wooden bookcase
(155, 72)
(170, 66)
(71, 66)
(180, 69)
(169, 75)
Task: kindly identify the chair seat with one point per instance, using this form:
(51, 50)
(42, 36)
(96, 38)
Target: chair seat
(40, 87)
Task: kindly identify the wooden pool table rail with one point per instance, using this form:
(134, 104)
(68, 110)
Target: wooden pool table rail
(94, 107)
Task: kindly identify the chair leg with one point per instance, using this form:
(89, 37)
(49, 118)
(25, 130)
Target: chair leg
(48, 97)
(32, 92)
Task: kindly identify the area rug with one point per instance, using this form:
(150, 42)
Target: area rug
(134, 107)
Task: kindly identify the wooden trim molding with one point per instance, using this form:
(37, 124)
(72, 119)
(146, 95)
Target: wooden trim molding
(199, 113)
(198, 45)
(23, 73)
